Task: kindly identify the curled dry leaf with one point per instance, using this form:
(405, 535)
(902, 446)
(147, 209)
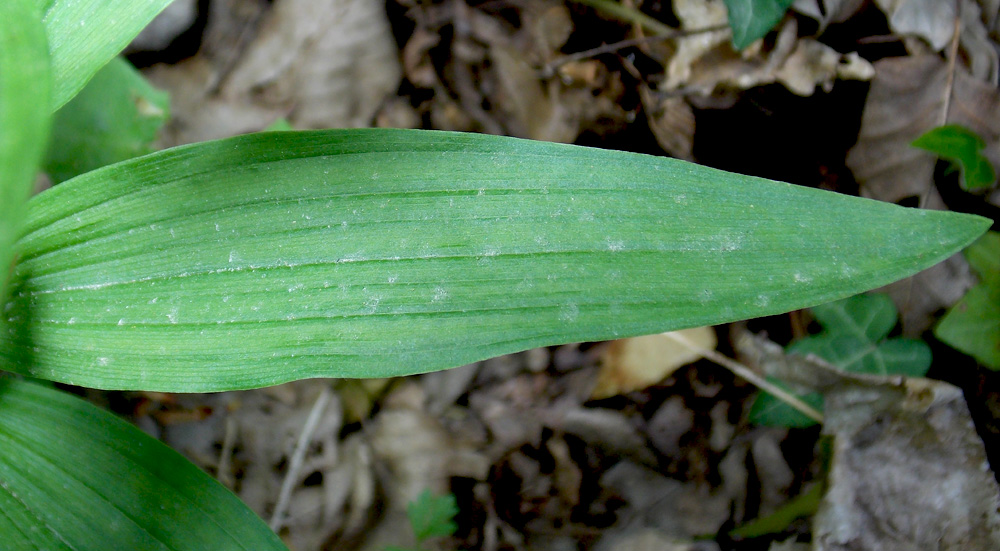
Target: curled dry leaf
(705, 62)
(639, 362)
(932, 20)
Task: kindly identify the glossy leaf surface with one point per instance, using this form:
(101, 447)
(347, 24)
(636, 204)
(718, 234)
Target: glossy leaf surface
(74, 477)
(368, 253)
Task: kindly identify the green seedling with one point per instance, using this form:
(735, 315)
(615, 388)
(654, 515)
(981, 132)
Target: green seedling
(854, 340)
(279, 256)
(431, 516)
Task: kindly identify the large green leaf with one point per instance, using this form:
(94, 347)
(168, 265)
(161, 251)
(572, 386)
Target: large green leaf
(362, 253)
(24, 117)
(74, 477)
(85, 34)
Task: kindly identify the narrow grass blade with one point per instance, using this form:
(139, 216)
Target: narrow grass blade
(75, 477)
(24, 117)
(367, 253)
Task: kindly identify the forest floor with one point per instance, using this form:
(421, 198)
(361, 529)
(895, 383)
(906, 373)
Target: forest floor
(638, 444)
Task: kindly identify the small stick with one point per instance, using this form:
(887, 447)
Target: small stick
(298, 456)
(748, 374)
(228, 442)
(551, 66)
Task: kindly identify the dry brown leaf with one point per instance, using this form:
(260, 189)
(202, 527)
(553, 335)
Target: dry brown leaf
(319, 63)
(639, 362)
(908, 471)
(932, 20)
(833, 11)
(705, 62)
(671, 119)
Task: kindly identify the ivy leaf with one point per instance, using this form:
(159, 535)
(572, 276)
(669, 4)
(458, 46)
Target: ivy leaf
(432, 516)
(853, 340)
(963, 147)
(753, 19)
(973, 324)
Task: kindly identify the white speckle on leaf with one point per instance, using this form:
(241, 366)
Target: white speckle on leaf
(172, 315)
(232, 256)
(615, 245)
(440, 293)
(762, 301)
(102, 361)
(800, 278)
(71, 321)
(121, 321)
(569, 312)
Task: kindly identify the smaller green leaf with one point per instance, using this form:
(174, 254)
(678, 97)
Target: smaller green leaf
(770, 411)
(751, 20)
(114, 118)
(973, 325)
(964, 147)
(432, 516)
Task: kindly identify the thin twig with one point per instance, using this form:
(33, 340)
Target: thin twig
(745, 372)
(298, 456)
(550, 67)
(228, 442)
(627, 15)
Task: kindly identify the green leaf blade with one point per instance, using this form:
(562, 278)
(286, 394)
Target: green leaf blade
(25, 85)
(76, 475)
(85, 34)
(366, 253)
